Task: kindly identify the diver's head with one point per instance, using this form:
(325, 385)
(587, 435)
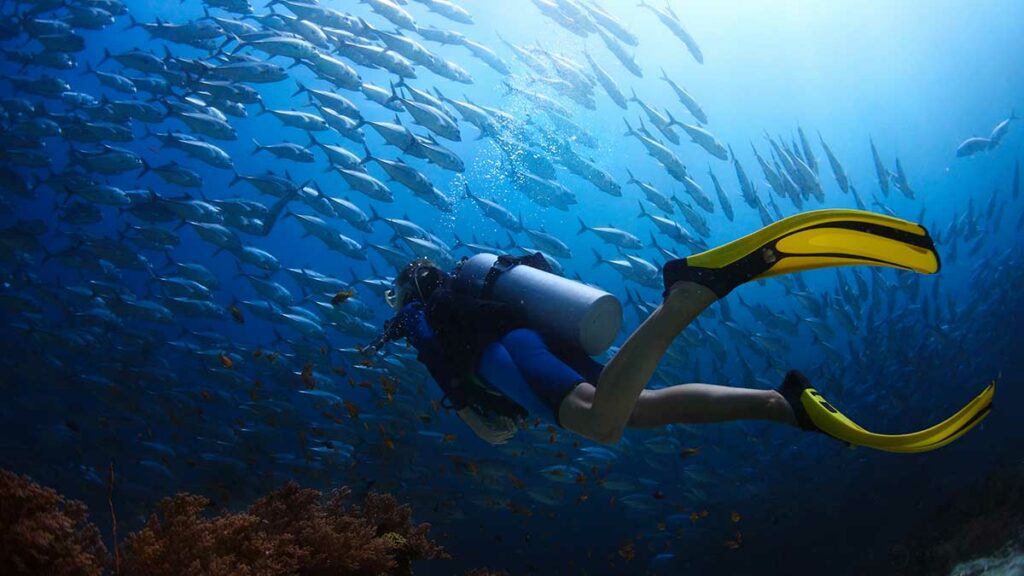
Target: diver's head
(417, 281)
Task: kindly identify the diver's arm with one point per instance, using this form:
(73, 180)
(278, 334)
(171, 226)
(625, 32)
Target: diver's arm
(493, 429)
(412, 323)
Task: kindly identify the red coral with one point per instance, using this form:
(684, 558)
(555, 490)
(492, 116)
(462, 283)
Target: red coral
(290, 531)
(42, 533)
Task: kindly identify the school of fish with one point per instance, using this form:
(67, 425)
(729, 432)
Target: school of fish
(163, 308)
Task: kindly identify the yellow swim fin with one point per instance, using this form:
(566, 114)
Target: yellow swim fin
(814, 412)
(806, 241)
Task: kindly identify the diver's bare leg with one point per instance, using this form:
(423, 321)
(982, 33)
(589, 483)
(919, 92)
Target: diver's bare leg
(706, 403)
(623, 379)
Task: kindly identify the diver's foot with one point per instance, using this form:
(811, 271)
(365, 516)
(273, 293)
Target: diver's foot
(677, 272)
(791, 389)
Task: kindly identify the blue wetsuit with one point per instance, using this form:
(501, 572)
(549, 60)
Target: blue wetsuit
(521, 364)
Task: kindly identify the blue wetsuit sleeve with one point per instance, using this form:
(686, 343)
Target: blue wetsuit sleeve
(430, 352)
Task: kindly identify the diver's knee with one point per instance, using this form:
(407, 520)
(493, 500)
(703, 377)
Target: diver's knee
(576, 414)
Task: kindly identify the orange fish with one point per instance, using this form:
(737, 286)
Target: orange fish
(257, 353)
(448, 438)
(389, 443)
(687, 452)
(342, 296)
(307, 376)
(735, 516)
(626, 551)
(236, 314)
(226, 361)
(353, 410)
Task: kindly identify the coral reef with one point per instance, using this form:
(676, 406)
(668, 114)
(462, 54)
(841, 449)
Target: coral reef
(1007, 562)
(42, 533)
(978, 522)
(292, 531)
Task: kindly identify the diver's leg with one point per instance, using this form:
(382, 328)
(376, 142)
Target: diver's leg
(706, 403)
(623, 379)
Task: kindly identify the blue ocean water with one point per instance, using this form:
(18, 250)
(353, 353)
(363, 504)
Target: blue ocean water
(88, 384)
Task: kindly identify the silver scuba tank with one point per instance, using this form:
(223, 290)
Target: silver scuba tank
(568, 311)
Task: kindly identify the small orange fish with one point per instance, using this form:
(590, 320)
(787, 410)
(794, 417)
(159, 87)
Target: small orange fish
(448, 439)
(307, 376)
(342, 296)
(735, 516)
(581, 499)
(389, 443)
(236, 314)
(626, 551)
(581, 479)
(687, 452)
(226, 361)
(353, 410)
(257, 353)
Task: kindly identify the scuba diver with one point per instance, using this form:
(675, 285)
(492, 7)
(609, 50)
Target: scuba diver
(503, 337)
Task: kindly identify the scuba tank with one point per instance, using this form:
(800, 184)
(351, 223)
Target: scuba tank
(571, 312)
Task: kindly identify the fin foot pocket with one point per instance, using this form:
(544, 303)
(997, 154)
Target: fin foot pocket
(792, 388)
